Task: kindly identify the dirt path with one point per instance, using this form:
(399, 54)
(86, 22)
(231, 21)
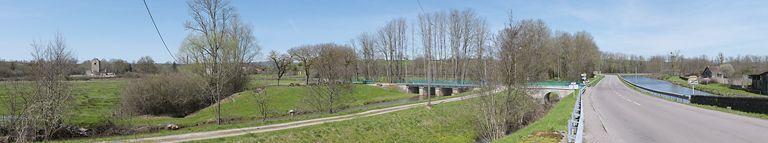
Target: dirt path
(283, 126)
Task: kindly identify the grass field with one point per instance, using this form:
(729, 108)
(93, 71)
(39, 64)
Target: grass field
(271, 79)
(714, 88)
(282, 98)
(449, 122)
(555, 121)
(251, 123)
(95, 101)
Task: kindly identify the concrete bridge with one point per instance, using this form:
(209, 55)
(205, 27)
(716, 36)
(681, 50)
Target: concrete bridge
(438, 87)
(447, 88)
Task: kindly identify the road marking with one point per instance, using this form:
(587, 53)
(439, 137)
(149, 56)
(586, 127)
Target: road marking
(627, 99)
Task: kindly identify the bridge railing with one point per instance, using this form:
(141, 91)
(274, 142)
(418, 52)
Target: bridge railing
(681, 98)
(575, 131)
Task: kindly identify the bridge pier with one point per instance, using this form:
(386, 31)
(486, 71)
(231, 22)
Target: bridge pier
(445, 92)
(424, 92)
(413, 89)
(459, 90)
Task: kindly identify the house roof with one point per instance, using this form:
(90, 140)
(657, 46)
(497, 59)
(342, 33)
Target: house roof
(763, 73)
(713, 68)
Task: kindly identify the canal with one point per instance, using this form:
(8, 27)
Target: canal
(661, 85)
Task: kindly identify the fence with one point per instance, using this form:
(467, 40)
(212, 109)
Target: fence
(747, 104)
(575, 130)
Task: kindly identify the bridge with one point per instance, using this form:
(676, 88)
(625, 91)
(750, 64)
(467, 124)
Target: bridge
(450, 87)
(438, 87)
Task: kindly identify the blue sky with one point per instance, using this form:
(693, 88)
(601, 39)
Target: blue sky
(122, 29)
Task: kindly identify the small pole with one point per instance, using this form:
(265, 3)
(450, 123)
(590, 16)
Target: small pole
(693, 86)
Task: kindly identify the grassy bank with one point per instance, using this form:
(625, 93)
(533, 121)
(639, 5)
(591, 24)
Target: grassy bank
(555, 121)
(714, 88)
(596, 80)
(449, 122)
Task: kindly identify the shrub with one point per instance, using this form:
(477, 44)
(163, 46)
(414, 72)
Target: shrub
(172, 94)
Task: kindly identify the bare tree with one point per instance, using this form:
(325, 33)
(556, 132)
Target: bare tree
(518, 45)
(262, 102)
(44, 105)
(335, 68)
(145, 65)
(306, 55)
(365, 44)
(281, 63)
(393, 42)
(219, 45)
(427, 33)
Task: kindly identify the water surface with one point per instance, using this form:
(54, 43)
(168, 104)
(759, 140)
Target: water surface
(661, 85)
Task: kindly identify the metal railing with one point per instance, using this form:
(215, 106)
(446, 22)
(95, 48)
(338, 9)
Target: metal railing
(575, 131)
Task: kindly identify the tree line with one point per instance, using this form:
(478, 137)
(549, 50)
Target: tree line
(122, 68)
(448, 45)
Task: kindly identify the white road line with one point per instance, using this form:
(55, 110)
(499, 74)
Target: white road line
(627, 99)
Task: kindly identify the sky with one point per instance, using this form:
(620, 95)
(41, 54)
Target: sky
(123, 29)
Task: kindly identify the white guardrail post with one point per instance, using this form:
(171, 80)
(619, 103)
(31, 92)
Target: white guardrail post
(575, 132)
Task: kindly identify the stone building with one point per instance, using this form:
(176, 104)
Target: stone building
(95, 68)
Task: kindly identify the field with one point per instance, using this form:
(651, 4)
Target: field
(271, 79)
(242, 106)
(714, 88)
(555, 121)
(447, 122)
(95, 101)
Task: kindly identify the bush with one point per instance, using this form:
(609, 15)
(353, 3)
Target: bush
(173, 94)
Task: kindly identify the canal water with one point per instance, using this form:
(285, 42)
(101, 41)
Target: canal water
(661, 85)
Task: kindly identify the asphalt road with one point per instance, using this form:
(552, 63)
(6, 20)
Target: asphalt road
(615, 113)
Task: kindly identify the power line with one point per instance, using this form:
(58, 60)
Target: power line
(158, 30)
(422, 8)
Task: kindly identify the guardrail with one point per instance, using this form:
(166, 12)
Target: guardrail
(575, 131)
(682, 98)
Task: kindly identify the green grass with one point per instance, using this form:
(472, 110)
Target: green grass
(94, 101)
(251, 123)
(555, 121)
(449, 122)
(271, 79)
(596, 80)
(281, 99)
(714, 88)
